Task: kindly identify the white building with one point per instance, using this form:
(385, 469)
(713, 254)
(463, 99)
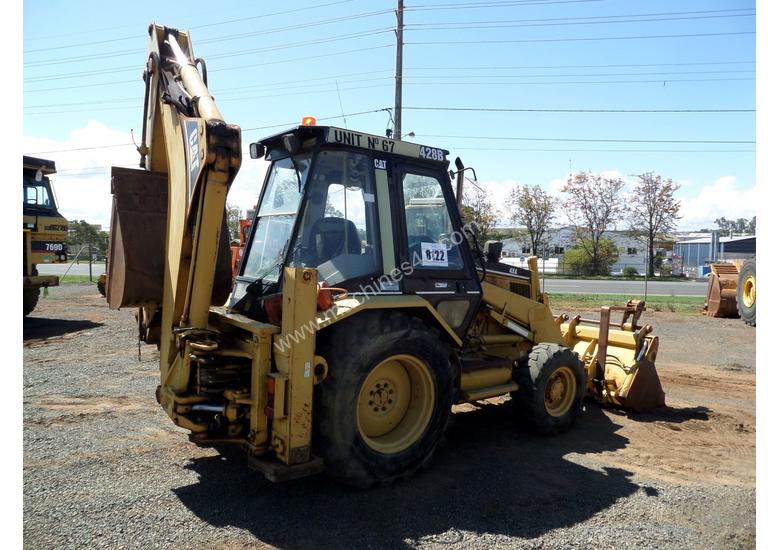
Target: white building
(632, 250)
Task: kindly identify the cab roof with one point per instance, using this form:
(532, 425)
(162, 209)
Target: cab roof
(331, 135)
(35, 163)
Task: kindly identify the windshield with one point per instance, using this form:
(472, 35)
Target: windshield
(339, 234)
(37, 194)
(276, 216)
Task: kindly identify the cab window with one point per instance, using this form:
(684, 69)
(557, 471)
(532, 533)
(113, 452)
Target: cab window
(339, 234)
(430, 238)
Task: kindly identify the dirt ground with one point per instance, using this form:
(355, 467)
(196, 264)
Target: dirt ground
(103, 465)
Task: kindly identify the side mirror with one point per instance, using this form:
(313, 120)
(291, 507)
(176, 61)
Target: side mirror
(256, 150)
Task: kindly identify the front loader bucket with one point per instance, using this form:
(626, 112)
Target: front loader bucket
(619, 361)
(722, 291)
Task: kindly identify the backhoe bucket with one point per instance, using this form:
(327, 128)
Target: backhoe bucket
(136, 259)
(619, 361)
(722, 291)
(137, 241)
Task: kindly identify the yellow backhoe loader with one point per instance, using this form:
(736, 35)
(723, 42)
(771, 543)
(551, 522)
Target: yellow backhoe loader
(360, 313)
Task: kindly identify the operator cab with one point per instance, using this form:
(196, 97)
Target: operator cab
(38, 199)
(373, 215)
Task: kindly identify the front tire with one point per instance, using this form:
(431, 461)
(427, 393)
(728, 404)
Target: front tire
(552, 388)
(30, 298)
(386, 401)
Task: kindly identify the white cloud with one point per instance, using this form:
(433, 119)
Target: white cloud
(499, 195)
(722, 198)
(83, 181)
(246, 187)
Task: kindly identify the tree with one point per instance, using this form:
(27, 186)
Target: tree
(81, 234)
(593, 204)
(653, 210)
(535, 209)
(478, 213)
(579, 259)
(741, 225)
(233, 218)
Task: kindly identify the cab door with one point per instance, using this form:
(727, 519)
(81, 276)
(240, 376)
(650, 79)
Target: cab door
(433, 250)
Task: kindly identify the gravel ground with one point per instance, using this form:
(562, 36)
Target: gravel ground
(104, 467)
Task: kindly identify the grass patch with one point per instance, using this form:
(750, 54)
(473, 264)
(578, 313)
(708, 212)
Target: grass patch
(670, 278)
(66, 279)
(679, 304)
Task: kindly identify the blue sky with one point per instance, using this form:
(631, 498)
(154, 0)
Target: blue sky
(270, 66)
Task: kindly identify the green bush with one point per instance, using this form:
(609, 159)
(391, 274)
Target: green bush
(630, 271)
(579, 260)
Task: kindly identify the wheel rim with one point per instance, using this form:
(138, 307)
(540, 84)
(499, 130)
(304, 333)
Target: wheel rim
(395, 404)
(559, 392)
(749, 291)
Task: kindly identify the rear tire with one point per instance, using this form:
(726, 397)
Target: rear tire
(30, 296)
(552, 388)
(385, 403)
(746, 292)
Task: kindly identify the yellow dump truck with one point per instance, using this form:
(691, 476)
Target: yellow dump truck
(361, 312)
(44, 229)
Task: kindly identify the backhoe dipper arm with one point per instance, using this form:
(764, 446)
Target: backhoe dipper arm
(186, 137)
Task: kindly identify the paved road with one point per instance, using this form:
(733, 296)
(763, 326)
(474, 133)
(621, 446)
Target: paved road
(575, 286)
(82, 268)
(657, 288)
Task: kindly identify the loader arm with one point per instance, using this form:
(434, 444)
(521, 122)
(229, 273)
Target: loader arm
(186, 142)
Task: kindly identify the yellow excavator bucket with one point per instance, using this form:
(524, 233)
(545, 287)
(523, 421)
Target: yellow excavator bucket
(619, 358)
(722, 291)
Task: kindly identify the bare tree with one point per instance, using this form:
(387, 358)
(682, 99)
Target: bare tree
(535, 209)
(593, 204)
(477, 212)
(653, 210)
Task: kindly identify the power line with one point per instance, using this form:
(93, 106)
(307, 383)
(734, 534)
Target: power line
(487, 67)
(610, 150)
(580, 18)
(511, 110)
(509, 24)
(483, 5)
(516, 138)
(589, 75)
(478, 83)
(276, 62)
(299, 44)
(286, 85)
(136, 37)
(226, 100)
(420, 26)
(81, 148)
(353, 88)
(587, 39)
(442, 136)
(554, 82)
(222, 38)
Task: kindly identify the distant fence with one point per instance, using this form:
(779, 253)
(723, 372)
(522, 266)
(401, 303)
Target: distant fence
(557, 266)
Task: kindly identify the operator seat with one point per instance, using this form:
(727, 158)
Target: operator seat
(327, 236)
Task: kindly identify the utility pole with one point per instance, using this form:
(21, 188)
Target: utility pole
(399, 68)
